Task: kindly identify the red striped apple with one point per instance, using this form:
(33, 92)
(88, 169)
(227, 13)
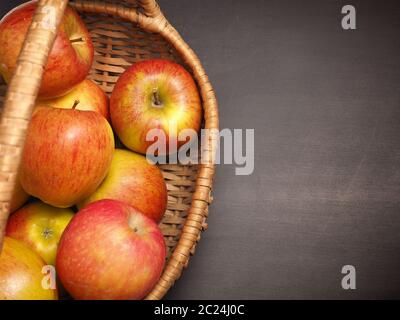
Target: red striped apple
(132, 179)
(154, 94)
(110, 251)
(39, 226)
(90, 96)
(21, 274)
(66, 156)
(71, 56)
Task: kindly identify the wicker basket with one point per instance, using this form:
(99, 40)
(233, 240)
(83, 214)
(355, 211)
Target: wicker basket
(123, 32)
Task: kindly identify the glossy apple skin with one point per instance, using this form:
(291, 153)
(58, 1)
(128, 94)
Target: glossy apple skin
(21, 273)
(39, 226)
(110, 251)
(68, 63)
(132, 109)
(66, 156)
(132, 179)
(90, 96)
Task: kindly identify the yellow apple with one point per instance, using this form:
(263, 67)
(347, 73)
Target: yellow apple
(135, 181)
(88, 95)
(21, 274)
(39, 226)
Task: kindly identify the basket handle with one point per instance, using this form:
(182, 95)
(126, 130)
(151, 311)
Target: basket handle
(151, 8)
(21, 95)
(149, 18)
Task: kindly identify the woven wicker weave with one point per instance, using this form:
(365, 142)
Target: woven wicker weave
(123, 32)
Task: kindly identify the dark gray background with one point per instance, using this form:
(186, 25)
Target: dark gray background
(324, 104)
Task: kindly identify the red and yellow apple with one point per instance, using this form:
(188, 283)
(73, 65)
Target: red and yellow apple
(39, 226)
(90, 96)
(154, 94)
(66, 156)
(71, 56)
(21, 273)
(110, 251)
(132, 179)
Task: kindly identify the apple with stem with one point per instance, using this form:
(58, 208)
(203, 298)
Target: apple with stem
(132, 179)
(90, 96)
(40, 227)
(154, 94)
(110, 251)
(69, 61)
(21, 274)
(66, 156)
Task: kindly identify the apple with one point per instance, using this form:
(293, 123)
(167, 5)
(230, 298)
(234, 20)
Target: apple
(39, 226)
(70, 58)
(21, 273)
(132, 179)
(110, 251)
(90, 96)
(66, 156)
(19, 197)
(154, 94)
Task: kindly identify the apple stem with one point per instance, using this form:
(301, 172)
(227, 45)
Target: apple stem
(75, 104)
(156, 98)
(77, 40)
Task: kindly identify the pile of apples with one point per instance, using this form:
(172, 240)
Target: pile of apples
(81, 205)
